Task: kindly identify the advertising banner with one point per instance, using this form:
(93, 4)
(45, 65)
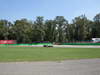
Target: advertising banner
(7, 41)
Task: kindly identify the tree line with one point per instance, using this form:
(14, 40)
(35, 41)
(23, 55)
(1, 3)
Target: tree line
(57, 30)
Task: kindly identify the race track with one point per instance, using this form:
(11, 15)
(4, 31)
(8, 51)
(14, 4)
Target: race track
(77, 46)
(68, 67)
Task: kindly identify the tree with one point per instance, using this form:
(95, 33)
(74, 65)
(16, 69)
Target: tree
(96, 26)
(56, 30)
(4, 29)
(80, 29)
(22, 31)
(50, 31)
(38, 33)
(61, 25)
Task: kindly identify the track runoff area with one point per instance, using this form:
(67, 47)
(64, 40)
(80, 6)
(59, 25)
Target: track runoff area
(46, 52)
(12, 43)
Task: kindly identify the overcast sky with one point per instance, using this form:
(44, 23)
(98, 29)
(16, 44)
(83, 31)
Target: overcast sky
(17, 9)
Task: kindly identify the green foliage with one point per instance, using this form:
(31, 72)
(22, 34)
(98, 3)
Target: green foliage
(80, 29)
(96, 26)
(56, 30)
(61, 26)
(4, 29)
(50, 31)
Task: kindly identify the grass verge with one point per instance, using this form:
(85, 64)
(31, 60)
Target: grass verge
(46, 54)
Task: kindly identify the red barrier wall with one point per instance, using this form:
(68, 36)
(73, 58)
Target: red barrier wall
(7, 42)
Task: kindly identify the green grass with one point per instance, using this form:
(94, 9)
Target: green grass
(46, 54)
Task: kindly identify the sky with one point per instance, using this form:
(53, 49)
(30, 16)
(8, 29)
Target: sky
(17, 9)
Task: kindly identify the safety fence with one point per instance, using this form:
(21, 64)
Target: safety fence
(26, 44)
(48, 44)
(80, 43)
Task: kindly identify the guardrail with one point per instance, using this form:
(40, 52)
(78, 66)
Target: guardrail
(49, 44)
(80, 44)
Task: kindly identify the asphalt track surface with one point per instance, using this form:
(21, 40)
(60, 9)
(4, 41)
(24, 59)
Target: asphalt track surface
(70, 46)
(68, 67)
(77, 46)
